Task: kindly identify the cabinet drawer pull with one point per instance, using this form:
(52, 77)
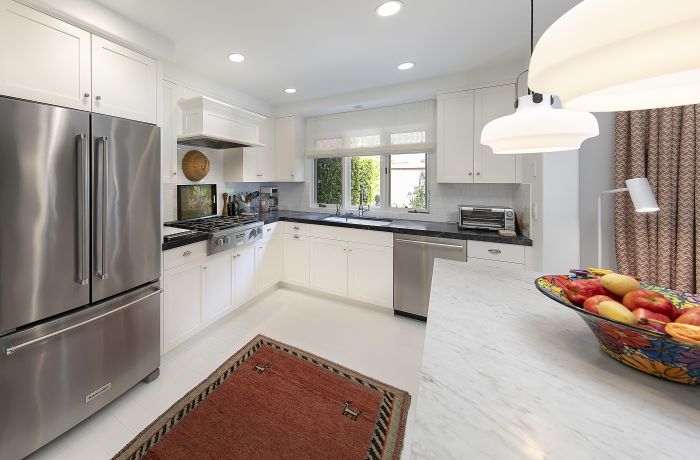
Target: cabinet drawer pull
(186, 253)
(495, 251)
(296, 237)
(295, 228)
(269, 230)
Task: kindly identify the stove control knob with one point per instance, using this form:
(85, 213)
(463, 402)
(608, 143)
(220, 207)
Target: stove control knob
(227, 240)
(220, 242)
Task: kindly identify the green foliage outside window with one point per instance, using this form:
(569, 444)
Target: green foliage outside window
(329, 180)
(416, 198)
(365, 172)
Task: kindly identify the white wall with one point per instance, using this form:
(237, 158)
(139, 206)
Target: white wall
(596, 173)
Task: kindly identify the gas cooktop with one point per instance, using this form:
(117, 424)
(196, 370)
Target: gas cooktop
(213, 224)
(224, 232)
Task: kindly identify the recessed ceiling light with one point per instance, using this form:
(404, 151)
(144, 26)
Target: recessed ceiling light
(389, 8)
(290, 90)
(406, 66)
(236, 57)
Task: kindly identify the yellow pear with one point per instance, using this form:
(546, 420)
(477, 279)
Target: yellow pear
(615, 310)
(619, 284)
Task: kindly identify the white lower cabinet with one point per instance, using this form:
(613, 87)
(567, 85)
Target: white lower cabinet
(371, 274)
(184, 300)
(329, 266)
(358, 264)
(296, 259)
(245, 279)
(270, 262)
(220, 295)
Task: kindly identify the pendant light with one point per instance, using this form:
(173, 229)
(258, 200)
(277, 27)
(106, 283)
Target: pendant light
(536, 126)
(617, 55)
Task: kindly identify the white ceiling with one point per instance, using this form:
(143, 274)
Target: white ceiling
(330, 47)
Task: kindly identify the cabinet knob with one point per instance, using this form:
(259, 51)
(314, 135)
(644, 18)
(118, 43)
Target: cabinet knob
(98, 98)
(296, 237)
(470, 174)
(478, 174)
(86, 95)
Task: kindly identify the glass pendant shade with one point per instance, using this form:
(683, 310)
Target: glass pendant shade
(618, 55)
(537, 128)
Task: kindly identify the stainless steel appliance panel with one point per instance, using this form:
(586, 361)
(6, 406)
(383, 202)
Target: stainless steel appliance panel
(44, 199)
(413, 269)
(126, 250)
(55, 375)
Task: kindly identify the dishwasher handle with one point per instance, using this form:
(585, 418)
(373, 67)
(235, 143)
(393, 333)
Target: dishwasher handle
(427, 243)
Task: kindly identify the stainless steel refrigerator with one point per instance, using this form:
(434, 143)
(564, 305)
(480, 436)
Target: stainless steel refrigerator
(79, 267)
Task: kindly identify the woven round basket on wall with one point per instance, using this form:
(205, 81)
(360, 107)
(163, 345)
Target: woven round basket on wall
(195, 165)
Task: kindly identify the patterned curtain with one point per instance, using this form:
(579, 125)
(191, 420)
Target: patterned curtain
(663, 145)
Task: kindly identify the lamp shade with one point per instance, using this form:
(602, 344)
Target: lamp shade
(642, 196)
(617, 55)
(536, 128)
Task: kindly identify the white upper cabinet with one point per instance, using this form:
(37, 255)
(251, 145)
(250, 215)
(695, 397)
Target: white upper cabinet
(461, 116)
(43, 59)
(170, 128)
(489, 104)
(253, 164)
(455, 137)
(289, 149)
(123, 82)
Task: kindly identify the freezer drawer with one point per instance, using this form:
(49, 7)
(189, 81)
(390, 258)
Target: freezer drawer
(55, 375)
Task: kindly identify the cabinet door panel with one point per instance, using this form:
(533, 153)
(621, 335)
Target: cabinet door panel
(489, 104)
(184, 297)
(169, 131)
(370, 274)
(455, 137)
(219, 285)
(246, 286)
(329, 266)
(43, 59)
(296, 259)
(270, 262)
(123, 82)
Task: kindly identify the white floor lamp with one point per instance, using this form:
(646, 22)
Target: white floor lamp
(642, 198)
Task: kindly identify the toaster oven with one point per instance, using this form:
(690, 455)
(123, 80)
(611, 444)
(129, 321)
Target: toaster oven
(486, 217)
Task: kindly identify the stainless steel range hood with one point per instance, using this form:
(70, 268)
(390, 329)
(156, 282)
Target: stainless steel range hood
(213, 124)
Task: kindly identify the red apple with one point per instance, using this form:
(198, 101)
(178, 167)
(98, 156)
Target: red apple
(591, 303)
(690, 316)
(579, 290)
(649, 300)
(644, 314)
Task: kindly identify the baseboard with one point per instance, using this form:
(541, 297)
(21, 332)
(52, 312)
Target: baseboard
(348, 300)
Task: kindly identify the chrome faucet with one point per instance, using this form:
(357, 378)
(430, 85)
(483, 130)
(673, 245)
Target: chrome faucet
(363, 199)
(337, 209)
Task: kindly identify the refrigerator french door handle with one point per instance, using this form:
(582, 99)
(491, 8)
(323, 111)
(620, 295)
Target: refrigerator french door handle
(102, 265)
(83, 209)
(13, 349)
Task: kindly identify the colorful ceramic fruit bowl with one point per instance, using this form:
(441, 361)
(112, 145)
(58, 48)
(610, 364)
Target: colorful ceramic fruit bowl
(651, 352)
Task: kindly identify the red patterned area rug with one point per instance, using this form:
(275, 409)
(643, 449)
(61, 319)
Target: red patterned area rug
(273, 401)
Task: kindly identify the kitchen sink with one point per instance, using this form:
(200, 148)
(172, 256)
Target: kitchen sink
(358, 221)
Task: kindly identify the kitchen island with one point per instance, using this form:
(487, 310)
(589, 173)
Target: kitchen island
(510, 374)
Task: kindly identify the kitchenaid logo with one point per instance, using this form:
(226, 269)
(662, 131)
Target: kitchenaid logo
(97, 392)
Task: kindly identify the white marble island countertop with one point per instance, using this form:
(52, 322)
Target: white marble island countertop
(510, 374)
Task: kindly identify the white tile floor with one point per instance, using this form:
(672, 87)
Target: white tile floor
(369, 341)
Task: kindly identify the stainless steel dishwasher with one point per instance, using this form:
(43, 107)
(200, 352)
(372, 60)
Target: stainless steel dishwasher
(413, 270)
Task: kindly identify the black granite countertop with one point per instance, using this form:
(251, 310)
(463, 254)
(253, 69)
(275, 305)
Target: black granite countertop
(403, 226)
(184, 241)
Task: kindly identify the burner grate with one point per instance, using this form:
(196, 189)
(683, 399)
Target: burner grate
(216, 224)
